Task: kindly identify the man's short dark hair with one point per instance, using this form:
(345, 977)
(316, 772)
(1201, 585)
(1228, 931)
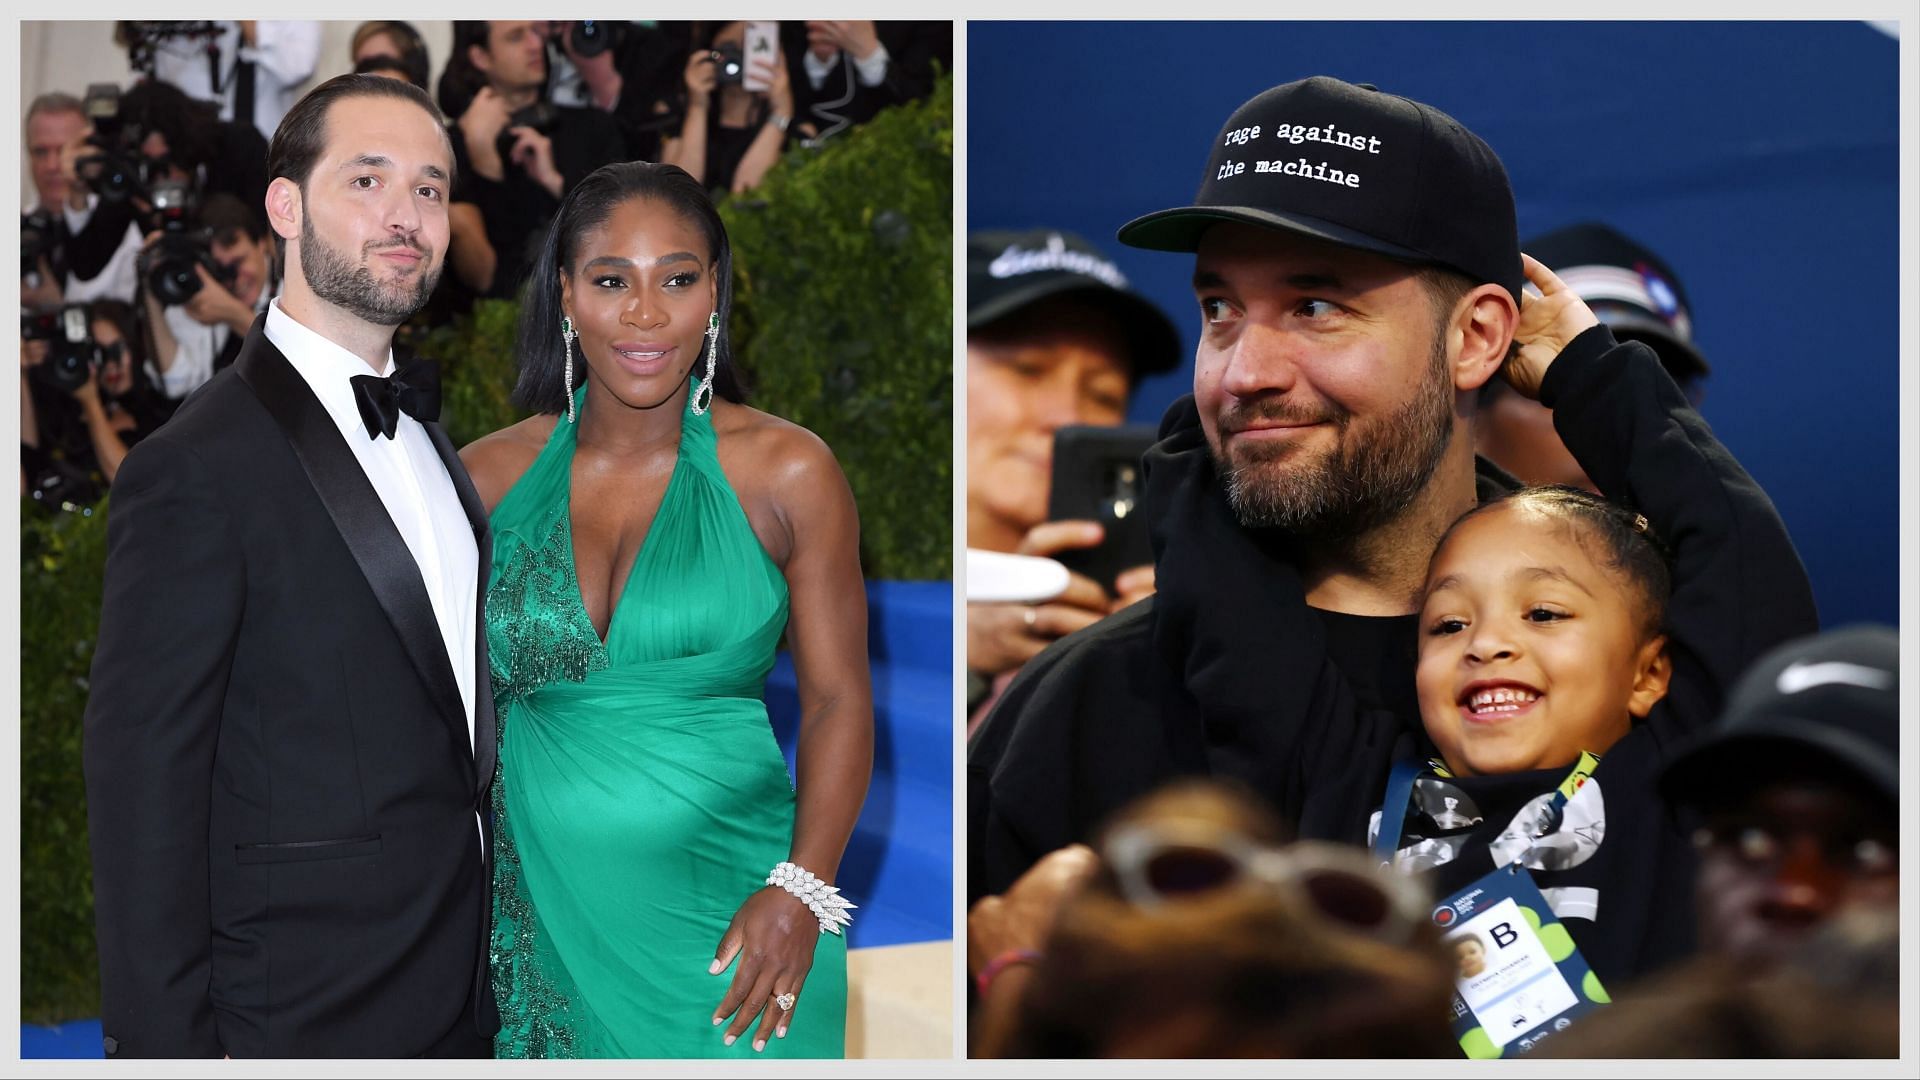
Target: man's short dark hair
(226, 218)
(301, 140)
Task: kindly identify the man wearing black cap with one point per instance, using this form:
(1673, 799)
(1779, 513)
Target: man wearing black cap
(1357, 268)
(1639, 297)
(1054, 338)
(1798, 791)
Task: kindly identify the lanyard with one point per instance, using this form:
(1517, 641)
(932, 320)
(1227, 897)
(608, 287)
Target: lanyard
(1393, 809)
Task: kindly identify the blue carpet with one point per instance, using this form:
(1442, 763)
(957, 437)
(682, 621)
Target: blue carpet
(77, 1039)
(899, 864)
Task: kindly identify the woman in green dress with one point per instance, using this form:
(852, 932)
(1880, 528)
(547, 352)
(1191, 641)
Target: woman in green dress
(653, 537)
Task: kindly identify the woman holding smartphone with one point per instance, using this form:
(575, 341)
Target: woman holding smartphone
(1054, 338)
(739, 106)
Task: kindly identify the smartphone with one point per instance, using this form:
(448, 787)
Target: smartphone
(762, 48)
(1097, 477)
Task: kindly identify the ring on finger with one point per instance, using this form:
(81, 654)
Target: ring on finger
(785, 1001)
(1031, 616)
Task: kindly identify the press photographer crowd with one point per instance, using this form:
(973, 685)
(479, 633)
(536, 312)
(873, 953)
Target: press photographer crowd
(146, 256)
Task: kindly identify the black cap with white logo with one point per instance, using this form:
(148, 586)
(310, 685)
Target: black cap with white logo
(1359, 168)
(1834, 696)
(1009, 270)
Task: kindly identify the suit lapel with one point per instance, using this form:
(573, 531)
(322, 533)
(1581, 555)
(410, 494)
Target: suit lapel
(358, 513)
(483, 720)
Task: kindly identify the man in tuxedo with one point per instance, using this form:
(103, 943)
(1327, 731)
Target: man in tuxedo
(289, 741)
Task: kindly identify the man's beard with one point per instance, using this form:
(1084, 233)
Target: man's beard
(1371, 476)
(337, 280)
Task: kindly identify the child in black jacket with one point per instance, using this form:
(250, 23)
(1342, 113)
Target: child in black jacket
(1554, 632)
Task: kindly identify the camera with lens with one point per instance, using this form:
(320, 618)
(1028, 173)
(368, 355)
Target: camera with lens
(171, 266)
(729, 64)
(39, 235)
(116, 171)
(541, 116)
(589, 37)
(72, 354)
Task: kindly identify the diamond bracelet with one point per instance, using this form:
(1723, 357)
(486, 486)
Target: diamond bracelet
(822, 899)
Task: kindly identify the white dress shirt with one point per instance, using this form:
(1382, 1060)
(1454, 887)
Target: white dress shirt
(412, 483)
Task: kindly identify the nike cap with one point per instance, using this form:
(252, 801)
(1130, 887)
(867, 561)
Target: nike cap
(1834, 696)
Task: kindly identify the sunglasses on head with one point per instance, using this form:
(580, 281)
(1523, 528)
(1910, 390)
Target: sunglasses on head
(1182, 860)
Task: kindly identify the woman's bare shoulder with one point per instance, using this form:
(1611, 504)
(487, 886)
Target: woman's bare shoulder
(497, 461)
(780, 451)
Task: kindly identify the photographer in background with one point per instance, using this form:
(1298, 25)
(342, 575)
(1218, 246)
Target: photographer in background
(629, 69)
(151, 134)
(194, 339)
(83, 404)
(252, 70)
(516, 154)
(54, 122)
(730, 136)
(848, 70)
(1054, 338)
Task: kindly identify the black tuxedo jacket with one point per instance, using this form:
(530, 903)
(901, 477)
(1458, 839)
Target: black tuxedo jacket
(281, 793)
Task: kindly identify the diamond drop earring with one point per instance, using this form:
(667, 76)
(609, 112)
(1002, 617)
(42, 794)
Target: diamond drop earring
(703, 397)
(567, 335)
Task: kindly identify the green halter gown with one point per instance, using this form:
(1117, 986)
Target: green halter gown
(641, 795)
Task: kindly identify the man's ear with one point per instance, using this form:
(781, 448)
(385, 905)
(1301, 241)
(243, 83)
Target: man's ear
(478, 56)
(1483, 324)
(285, 208)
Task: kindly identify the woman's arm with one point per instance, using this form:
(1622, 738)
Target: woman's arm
(108, 448)
(469, 250)
(827, 633)
(689, 149)
(773, 932)
(764, 152)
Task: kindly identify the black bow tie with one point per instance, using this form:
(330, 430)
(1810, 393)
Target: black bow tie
(414, 389)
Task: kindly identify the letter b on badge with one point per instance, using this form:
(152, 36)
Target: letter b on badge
(1503, 934)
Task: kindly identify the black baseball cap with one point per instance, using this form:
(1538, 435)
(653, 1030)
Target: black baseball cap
(1833, 697)
(1629, 288)
(1008, 270)
(1357, 167)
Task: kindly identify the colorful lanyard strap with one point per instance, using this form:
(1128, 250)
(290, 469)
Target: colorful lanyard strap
(1400, 798)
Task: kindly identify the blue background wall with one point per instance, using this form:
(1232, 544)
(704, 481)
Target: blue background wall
(1760, 159)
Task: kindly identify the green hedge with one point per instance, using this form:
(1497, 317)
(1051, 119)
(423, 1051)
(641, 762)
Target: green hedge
(61, 559)
(843, 307)
(843, 323)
